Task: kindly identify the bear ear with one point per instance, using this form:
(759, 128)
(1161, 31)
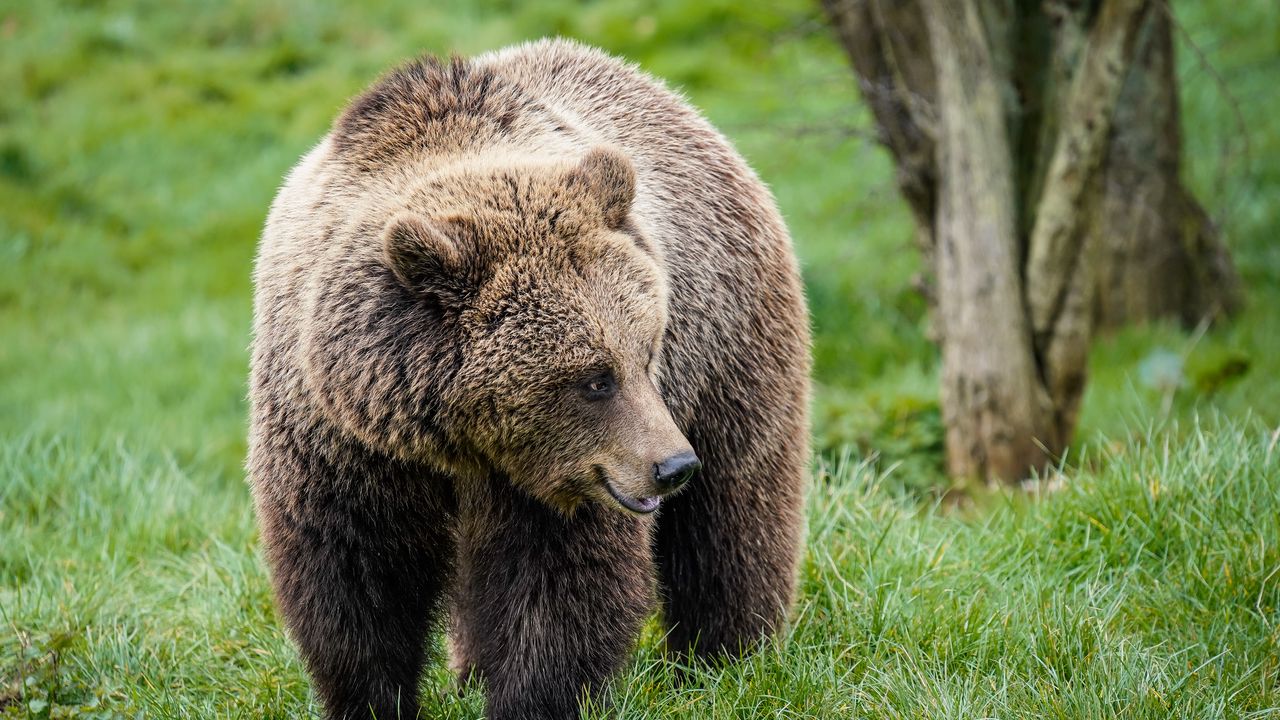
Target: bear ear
(608, 177)
(423, 258)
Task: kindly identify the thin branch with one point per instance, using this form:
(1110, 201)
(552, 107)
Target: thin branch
(1242, 126)
(836, 129)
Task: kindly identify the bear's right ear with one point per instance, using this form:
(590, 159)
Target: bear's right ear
(423, 258)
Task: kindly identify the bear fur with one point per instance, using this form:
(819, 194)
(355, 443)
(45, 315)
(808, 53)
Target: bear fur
(489, 305)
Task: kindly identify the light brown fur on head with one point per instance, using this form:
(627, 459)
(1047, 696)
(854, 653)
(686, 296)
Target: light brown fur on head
(549, 291)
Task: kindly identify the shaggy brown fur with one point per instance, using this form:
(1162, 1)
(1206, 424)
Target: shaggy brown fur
(495, 307)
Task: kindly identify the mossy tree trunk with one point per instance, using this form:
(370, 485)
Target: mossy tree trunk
(1037, 144)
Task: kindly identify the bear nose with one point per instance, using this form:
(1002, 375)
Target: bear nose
(676, 470)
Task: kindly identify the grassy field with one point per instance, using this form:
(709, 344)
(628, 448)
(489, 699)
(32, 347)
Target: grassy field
(140, 144)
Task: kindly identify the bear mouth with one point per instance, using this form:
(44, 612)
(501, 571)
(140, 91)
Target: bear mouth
(637, 505)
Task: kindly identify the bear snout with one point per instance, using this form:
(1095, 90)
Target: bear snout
(643, 496)
(670, 474)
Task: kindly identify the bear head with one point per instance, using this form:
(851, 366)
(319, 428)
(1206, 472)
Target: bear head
(559, 310)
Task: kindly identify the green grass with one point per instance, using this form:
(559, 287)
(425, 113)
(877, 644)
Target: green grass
(140, 144)
(1147, 589)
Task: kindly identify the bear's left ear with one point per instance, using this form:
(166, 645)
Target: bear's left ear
(608, 177)
(423, 257)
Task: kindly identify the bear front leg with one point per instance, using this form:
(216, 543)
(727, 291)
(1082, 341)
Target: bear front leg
(728, 545)
(360, 556)
(547, 606)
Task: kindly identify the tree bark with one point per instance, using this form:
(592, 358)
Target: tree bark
(1037, 145)
(1159, 254)
(888, 45)
(993, 409)
(1058, 275)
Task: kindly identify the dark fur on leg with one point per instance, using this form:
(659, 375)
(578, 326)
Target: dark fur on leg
(549, 606)
(728, 546)
(360, 555)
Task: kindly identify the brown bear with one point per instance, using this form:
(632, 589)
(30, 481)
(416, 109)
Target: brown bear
(504, 311)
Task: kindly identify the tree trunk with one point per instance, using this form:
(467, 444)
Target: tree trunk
(1159, 254)
(993, 409)
(884, 41)
(1037, 145)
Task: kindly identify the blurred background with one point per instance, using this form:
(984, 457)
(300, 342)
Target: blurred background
(141, 144)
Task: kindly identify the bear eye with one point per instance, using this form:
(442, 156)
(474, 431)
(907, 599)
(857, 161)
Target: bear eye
(599, 387)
